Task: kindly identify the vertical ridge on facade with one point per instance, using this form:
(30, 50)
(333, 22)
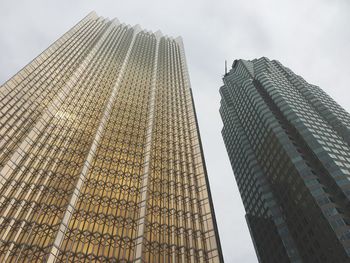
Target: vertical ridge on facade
(92, 151)
(146, 170)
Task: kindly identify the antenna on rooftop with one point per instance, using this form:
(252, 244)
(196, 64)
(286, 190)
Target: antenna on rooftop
(225, 66)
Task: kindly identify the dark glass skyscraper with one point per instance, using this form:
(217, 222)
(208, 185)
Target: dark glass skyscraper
(100, 154)
(289, 146)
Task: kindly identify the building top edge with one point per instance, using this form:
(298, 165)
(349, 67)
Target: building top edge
(158, 33)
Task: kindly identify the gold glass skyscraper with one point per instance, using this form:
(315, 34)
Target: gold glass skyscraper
(100, 155)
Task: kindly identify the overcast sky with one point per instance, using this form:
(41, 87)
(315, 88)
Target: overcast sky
(311, 37)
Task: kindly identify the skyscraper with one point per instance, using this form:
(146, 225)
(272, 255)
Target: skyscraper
(100, 157)
(289, 146)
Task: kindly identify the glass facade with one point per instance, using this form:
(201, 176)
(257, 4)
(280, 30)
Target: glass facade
(289, 146)
(100, 154)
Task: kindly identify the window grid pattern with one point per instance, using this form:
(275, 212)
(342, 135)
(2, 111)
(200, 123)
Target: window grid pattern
(179, 227)
(75, 123)
(29, 92)
(282, 128)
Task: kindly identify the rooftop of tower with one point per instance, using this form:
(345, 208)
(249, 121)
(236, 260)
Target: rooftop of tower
(158, 33)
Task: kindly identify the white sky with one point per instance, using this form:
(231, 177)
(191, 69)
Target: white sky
(311, 37)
